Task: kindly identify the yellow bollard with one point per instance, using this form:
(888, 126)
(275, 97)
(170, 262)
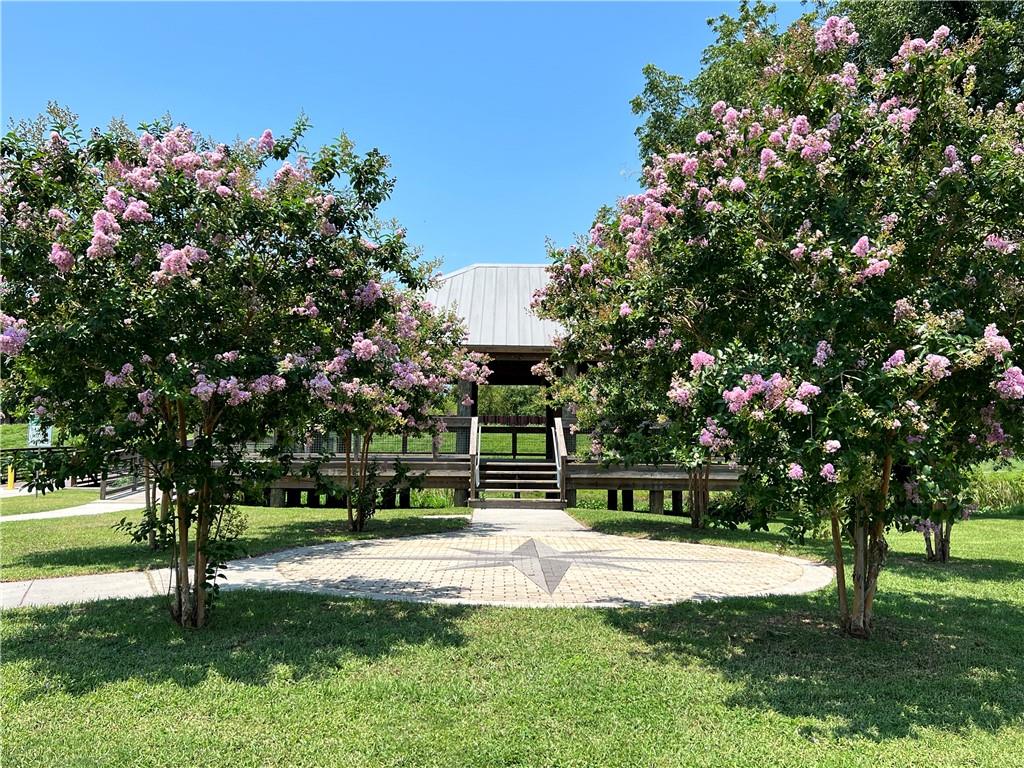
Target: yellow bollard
(10, 477)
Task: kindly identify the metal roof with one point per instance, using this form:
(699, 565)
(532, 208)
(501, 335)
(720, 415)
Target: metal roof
(494, 301)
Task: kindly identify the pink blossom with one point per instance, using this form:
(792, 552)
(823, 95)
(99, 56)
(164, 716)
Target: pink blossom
(897, 360)
(822, 353)
(796, 406)
(113, 200)
(364, 349)
(875, 268)
(266, 142)
(1011, 386)
(996, 242)
(995, 345)
(768, 157)
(106, 233)
(704, 138)
(796, 472)
(61, 258)
(586, 268)
(861, 247)
(737, 185)
(13, 334)
(680, 393)
(801, 125)
(807, 390)
(831, 446)
(718, 109)
(836, 31)
(137, 211)
(937, 366)
(701, 359)
(625, 310)
(828, 472)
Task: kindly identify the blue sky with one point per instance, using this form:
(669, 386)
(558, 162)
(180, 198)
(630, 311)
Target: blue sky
(506, 123)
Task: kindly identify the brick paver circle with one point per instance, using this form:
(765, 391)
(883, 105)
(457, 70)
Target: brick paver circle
(569, 568)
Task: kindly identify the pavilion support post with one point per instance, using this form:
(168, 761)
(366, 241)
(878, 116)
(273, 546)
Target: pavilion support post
(627, 501)
(613, 500)
(293, 497)
(277, 497)
(677, 503)
(405, 498)
(570, 497)
(390, 500)
(657, 502)
(312, 498)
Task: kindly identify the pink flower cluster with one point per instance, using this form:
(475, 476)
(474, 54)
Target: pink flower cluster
(364, 349)
(774, 391)
(836, 31)
(995, 345)
(61, 258)
(106, 233)
(714, 437)
(998, 243)
(230, 387)
(936, 366)
(308, 308)
(1011, 386)
(700, 360)
(175, 262)
(13, 335)
(118, 379)
(369, 293)
(919, 45)
(680, 393)
(822, 353)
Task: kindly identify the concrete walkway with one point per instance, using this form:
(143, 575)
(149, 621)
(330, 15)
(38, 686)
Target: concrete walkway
(98, 507)
(506, 557)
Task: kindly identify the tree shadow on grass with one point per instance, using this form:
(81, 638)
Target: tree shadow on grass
(948, 662)
(264, 539)
(253, 636)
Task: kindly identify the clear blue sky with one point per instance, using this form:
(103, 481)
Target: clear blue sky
(506, 124)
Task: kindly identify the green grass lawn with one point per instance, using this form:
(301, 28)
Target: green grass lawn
(13, 435)
(311, 680)
(37, 502)
(39, 549)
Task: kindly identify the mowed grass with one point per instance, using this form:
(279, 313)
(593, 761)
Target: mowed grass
(39, 549)
(38, 502)
(13, 436)
(309, 680)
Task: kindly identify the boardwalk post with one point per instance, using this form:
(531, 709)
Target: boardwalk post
(677, 503)
(613, 500)
(657, 502)
(627, 501)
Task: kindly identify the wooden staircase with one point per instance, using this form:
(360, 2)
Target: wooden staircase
(507, 476)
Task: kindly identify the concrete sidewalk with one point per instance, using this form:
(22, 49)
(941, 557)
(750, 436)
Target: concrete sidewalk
(81, 589)
(98, 507)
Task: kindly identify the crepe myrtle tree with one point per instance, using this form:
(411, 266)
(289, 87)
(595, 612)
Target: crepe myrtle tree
(170, 295)
(392, 379)
(825, 286)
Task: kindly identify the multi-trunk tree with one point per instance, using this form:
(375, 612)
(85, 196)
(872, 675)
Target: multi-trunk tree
(172, 296)
(822, 284)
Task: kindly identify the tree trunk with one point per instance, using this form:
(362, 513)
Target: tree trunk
(838, 558)
(869, 552)
(183, 608)
(697, 490)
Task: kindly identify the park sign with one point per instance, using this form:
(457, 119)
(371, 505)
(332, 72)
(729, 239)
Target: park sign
(37, 436)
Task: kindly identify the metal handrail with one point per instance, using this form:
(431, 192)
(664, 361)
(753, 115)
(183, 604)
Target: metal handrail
(561, 457)
(474, 456)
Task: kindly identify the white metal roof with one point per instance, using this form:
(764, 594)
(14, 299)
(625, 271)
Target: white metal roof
(494, 301)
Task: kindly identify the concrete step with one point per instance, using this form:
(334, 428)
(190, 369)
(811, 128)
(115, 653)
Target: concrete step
(516, 504)
(516, 464)
(517, 485)
(508, 474)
